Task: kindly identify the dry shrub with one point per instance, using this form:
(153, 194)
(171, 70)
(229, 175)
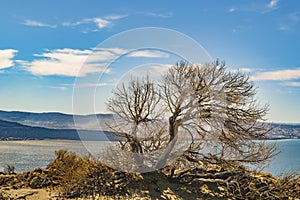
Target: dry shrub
(234, 181)
(86, 177)
(3, 196)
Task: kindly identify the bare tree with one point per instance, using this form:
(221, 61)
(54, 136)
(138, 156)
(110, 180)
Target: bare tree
(218, 109)
(135, 105)
(214, 107)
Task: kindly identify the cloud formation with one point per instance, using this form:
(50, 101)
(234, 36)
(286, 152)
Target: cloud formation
(75, 62)
(231, 10)
(243, 70)
(66, 62)
(86, 85)
(29, 22)
(148, 54)
(279, 75)
(115, 17)
(292, 84)
(154, 71)
(272, 3)
(160, 15)
(6, 58)
(92, 24)
(98, 22)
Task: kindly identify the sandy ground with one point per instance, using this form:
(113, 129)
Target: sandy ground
(42, 194)
(28, 194)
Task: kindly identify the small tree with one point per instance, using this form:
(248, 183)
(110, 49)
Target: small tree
(214, 107)
(135, 105)
(9, 169)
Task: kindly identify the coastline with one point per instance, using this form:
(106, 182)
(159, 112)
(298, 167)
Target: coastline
(215, 181)
(75, 140)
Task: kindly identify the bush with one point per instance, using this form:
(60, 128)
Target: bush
(9, 169)
(80, 177)
(83, 176)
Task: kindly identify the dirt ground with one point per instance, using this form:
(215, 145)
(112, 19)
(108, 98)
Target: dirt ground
(28, 194)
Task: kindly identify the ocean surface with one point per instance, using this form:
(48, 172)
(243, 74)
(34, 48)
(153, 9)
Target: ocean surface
(288, 159)
(27, 155)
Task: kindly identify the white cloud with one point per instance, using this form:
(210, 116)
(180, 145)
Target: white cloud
(244, 69)
(75, 62)
(64, 87)
(287, 74)
(135, 53)
(271, 6)
(272, 3)
(6, 58)
(231, 10)
(101, 23)
(148, 54)
(98, 22)
(85, 85)
(261, 7)
(161, 69)
(160, 15)
(59, 87)
(29, 22)
(153, 71)
(93, 24)
(112, 50)
(115, 17)
(292, 84)
(68, 62)
(284, 28)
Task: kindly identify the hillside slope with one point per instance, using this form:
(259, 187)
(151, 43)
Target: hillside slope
(14, 130)
(64, 123)
(55, 120)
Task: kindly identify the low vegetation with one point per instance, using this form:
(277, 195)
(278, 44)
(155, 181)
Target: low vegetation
(71, 176)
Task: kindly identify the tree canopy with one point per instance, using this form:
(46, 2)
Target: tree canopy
(195, 113)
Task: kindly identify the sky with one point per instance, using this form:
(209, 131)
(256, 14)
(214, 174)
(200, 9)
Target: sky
(44, 46)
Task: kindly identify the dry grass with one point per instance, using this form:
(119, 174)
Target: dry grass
(70, 176)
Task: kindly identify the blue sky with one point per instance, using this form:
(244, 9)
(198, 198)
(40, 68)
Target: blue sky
(44, 43)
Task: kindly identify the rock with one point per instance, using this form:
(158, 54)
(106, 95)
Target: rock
(36, 182)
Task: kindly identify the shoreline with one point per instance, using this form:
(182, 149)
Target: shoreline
(59, 181)
(258, 139)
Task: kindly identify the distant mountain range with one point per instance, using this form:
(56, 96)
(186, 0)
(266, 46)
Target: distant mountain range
(27, 125)
(55, 120)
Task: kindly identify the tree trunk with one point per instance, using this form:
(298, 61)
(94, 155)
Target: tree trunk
(173, 132)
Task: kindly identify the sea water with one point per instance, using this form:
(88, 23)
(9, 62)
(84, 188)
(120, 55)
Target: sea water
(30, 154)
(288, 159)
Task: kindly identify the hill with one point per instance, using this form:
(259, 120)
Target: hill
(284, 131)
(17, 131)
(56, 120)
(65, 125)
